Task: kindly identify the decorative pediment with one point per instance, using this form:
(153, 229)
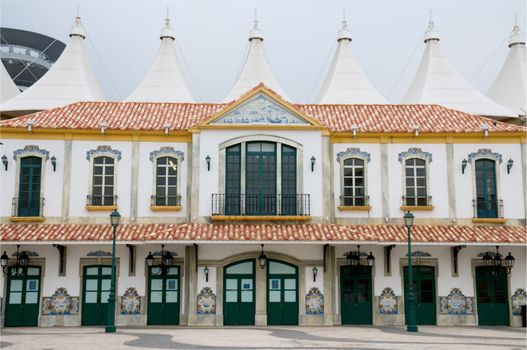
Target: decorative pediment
(28, 253)
(166, 151)
(485, 153)
(30, 150)
(420, 254)
(353, 152)
(99, 253)
(103, 150)
(415, 152)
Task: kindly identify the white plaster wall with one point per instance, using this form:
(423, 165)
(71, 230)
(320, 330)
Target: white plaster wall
(437, 173)
(509, 185)
(201, 279)
(146, 179)
(296, 250)
(374, 183)
(80, 173)
(209, 180)
(308, 275)
(52, 181)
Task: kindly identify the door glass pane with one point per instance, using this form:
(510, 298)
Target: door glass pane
(156, 284)
(105, 284)
(91, 297)
(171, 284)
(278, 268)
(426, 284)
(32, 285)
(247, 284)
(274, 283)
(15, 271)
(247, 296)
(16, 285)
(289, 283)
(31, 298)
(92, 270)
(290, 296)
(171, 297)
(15, 298)
(242, 268)
(231, 296)
(104, 297)
(232, 284)
(155, 270)
(173, 271)
(33, 271)
(274, 296)
(156, 297)
(91, 284)
(106, 270)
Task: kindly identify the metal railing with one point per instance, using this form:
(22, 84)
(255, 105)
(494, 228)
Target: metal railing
(273, 205)
(490, 208)
(165, 201)
(419, 201)
(101, 200)
(354, 201)
(26, 207)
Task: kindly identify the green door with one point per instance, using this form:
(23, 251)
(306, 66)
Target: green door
(163, 296)
(29, 186)
(424, 290)
(239, 293)
(355, 294)
(491, 292)
(260, 179)
(487, 201)
(289, 168)
(233, 180)
(96, 290)
(23, 295)
(282, 293)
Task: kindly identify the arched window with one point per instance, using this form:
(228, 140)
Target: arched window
(103, 181)
(353, 183)
(416, 193)
(166, 182)
(486, 192)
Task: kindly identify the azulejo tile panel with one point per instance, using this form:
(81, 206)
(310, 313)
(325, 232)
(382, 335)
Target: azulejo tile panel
(388, 302)
(519, 298)
(60, 303)
(206, 302)
(131, 302)
(456, 303)
(314, 302)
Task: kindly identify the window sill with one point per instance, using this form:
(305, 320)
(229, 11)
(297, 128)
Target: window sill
(165, 207)
(489, 220)
(417, 207)
(353, 207)
(26, 218)
(101, 207)
(259, 218)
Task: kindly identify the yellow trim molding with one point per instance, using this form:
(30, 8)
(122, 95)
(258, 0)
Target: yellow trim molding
(101, 207)
(429, 138)
(417, 207)
(26, 218)
(353, 207)
(489, 220)
(259, 218)
(165, 207)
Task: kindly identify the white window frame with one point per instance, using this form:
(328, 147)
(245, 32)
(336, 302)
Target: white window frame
(166, 151)
(352, 153)
(416, 153)
(103, 151)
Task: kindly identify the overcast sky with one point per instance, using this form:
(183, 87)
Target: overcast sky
(300, 38)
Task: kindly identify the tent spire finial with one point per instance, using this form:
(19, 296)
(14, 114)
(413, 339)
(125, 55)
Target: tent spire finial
(344, 32)
(167, 32)
(516, 36)
(255, 32)
(431, 31)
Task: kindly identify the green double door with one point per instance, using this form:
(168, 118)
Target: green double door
(492, 296)
(355, 294)
(163, 296)
(96, 290)
(282, 293)
(487, 201)
(260, 179)
(23, 295)
(425, 295)
(29, 186)
(239, 293)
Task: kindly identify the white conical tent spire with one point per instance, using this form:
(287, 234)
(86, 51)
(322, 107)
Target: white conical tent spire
(255, 69)
(509, 88)
(165, 81)
(8, 88)
(345, 81)
(70, 79)
(437, 82)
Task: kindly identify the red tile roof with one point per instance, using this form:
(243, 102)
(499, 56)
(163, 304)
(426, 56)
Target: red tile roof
(147, 116)
(264, 232)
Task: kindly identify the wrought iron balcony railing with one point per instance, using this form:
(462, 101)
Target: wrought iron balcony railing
(27, 207)
(488, 208)
(419, 201)
(354, 201)
(254, 205)
(101, 200)
(165, 201)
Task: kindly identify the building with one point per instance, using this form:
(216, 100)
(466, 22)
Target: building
(262, 212)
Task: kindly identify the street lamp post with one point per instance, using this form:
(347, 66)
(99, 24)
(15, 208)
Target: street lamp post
(411, 318)
(110, 320)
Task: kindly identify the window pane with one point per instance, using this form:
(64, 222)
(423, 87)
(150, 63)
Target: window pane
(171, 297)
(409, 172)
(92, 270)
(290, 283)
(274, 283)
(106, 271)
(156, 284)
(279, 268)
(32, 285)
(105, 284)
(15, 298)
(91, 284)
(231, 283)
(247, 296)
(33, 271)
(31, 297)
(98, 160)
(16, 285)
(173, 271)
(156, 297)
(247, 284)
(290, 296)
(274, 296)
(104, 297)
(90, 297)
(420, 171)
(171, 284)
(231, 296)
(242, 268)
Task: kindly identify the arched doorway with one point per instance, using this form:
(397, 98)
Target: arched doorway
(282, 293)
(239, 293)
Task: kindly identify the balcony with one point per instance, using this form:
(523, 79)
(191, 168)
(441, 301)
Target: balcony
(165, 203)
(261, 207)
(349, 203)
(101, 202)
(488, 210)
(417, 203)
(27, 210)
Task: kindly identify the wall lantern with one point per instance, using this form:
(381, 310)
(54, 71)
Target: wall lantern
(21, 262)
(510, 163)
(207, 159)
(354, 258)
(167, 259)
(464, 164)
(262, 259)
(206, 272)
(5, 161)
(315, 273)
(498, 262)
(313, 160)
(54, 163)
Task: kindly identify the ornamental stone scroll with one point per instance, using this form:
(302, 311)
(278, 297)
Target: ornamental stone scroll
(103, 150)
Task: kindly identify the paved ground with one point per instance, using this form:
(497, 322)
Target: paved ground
(262, 338)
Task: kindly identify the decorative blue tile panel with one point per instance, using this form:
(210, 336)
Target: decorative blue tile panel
(103, 151)
(167, 151)
(485, 153)
(130, 302)
(60, 303)
(518, 299)
(206, 302)
(314, 302)
(28, 150)
(388, 302)
(415, 152)
(456, 303)
(353, 152)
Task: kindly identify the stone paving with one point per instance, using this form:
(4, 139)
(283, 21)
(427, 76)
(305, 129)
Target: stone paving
(262, 338)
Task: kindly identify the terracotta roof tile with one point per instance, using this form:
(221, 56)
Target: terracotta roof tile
(148, 116)
(264, 232)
